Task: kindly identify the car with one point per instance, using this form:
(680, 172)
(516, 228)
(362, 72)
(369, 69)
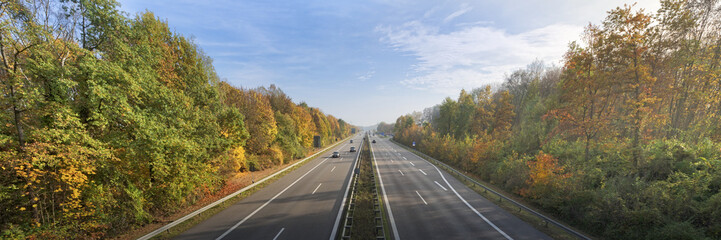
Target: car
(352, 149)
(374, 141)
(335, 154)
(351, 141)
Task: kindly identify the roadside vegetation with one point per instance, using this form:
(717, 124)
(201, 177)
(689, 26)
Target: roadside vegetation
(110, 121)
(622, 141)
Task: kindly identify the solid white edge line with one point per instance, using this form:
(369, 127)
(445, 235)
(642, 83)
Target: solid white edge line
(471, 207)
(268, 202)
(385, 197)
(278, 235)
(316, 188)
(444, 188)
(345, 195)
(424, 173)
(209, 206)
(419, 195)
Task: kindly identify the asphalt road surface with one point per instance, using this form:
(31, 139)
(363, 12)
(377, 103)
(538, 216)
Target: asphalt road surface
(428, 203)
(303, 204)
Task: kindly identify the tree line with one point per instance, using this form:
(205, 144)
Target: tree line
(110, 121)
(623, 141)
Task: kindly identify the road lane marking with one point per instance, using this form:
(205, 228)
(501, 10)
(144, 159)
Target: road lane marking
(401, 172)
(411, 163)
(268, 202)
(316, 188)
(277, 235)
(444, 189)
(419, 195)
(471, 207)
(385, 197)
(332, 169)
(404, 158)
(424, 173)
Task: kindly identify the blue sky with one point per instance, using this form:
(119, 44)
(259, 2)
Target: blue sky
(372, 61)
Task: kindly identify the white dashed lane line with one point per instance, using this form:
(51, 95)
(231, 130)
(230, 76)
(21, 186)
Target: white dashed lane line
(444, 188)
(419, 195)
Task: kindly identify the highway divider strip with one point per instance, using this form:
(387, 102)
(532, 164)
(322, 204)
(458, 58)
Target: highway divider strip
(500, 196)
(232, 195)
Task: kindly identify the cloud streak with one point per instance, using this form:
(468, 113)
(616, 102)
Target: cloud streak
(457, 14)
(473, 55)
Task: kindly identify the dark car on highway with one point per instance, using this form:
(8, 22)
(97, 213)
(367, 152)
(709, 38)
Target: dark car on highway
(336, 154)
(352, 149)
(374, 141)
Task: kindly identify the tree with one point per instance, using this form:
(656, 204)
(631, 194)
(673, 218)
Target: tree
(444, 123)
(259, 117)
(545, 176)
(627, 50)
(587, 94)
(503, 116)
(386, 128)
(464, 115)
(483, 114)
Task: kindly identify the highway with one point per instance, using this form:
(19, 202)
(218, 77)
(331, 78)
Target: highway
(304, 204)
(428, 203)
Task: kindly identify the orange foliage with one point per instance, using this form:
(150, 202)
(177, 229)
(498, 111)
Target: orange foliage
(545, 175)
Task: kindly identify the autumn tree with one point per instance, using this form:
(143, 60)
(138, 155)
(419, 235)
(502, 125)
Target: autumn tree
(626, 49)
(482, 119)
(587, 93)
(545, 176)
(503, 116)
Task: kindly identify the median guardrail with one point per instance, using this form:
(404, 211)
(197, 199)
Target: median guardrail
(350, 206)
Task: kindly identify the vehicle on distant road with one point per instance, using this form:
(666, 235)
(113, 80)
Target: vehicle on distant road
(335, 154)
(352, 149)
(374, 141)
(351, 141)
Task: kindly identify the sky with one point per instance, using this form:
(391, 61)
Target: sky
(375, 60)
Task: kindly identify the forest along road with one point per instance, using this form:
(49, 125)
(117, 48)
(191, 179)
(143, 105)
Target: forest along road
(301, 205)
(428, 203)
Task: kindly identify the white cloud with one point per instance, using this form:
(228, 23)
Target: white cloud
(367, 75)
(474, 55)
(458, 13)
